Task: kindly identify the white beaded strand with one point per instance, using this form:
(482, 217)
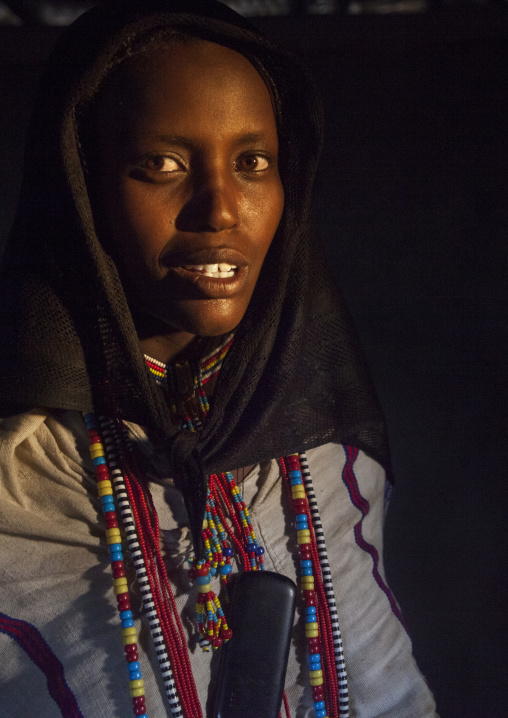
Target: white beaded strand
(110, 441)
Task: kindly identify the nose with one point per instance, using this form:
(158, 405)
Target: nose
(213, 206)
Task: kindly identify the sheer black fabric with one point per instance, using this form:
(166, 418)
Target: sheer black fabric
(294, 377)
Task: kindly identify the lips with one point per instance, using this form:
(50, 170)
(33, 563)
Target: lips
(211, 273)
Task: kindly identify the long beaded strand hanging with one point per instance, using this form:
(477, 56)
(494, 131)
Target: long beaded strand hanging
(155, 590)
(318, 625)
(110, 439)
(113, 538)
(340, 663)
(147, 525)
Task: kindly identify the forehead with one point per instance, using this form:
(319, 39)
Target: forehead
(184, 83)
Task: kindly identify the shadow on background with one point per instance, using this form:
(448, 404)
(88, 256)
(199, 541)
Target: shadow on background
(411, 203)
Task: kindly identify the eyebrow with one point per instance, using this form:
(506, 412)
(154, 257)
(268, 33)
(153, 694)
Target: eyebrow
(251, 138)
(179, 140)
(182, 141)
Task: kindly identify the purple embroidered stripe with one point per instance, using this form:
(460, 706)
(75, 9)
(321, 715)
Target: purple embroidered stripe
(34, 645)
(350, 480)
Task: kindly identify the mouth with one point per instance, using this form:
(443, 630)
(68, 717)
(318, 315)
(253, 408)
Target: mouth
(208, 273)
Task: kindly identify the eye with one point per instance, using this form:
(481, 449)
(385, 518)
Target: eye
(161, 163)
(252, 163)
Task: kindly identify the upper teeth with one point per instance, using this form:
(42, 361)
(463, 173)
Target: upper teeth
(217, 271)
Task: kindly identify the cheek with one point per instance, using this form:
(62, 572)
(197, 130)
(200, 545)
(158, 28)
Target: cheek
(139, 226)
(265, 212)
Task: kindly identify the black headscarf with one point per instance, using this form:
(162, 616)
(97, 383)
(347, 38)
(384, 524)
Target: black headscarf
(294, 377)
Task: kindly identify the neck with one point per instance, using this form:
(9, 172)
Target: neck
(165, 347)
(157, 339)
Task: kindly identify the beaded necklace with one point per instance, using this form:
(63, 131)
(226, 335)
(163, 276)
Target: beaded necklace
(226, 525)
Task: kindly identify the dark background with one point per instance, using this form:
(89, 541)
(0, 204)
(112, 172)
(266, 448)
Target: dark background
(411, 203)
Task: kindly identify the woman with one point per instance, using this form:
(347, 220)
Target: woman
(162, 279)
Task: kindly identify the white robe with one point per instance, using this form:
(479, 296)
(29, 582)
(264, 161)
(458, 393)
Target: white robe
(55, 575)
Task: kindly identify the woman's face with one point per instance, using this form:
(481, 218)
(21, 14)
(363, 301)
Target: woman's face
(187, 194)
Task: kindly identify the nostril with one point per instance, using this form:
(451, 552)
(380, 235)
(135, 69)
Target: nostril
(209, 210)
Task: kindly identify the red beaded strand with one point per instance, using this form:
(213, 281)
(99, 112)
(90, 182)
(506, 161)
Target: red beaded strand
(219, 488)
(233, 532)
(326, 634)
(147, 525)
(182, 674)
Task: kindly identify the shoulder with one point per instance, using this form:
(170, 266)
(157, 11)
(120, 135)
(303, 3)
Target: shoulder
(331, 461)
(43, 434)
(349, 486)
(44, 466)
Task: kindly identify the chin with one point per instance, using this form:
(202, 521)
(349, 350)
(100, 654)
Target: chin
(205, 319)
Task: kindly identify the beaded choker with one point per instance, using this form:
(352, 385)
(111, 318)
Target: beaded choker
(183, 383)
(227, 532)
